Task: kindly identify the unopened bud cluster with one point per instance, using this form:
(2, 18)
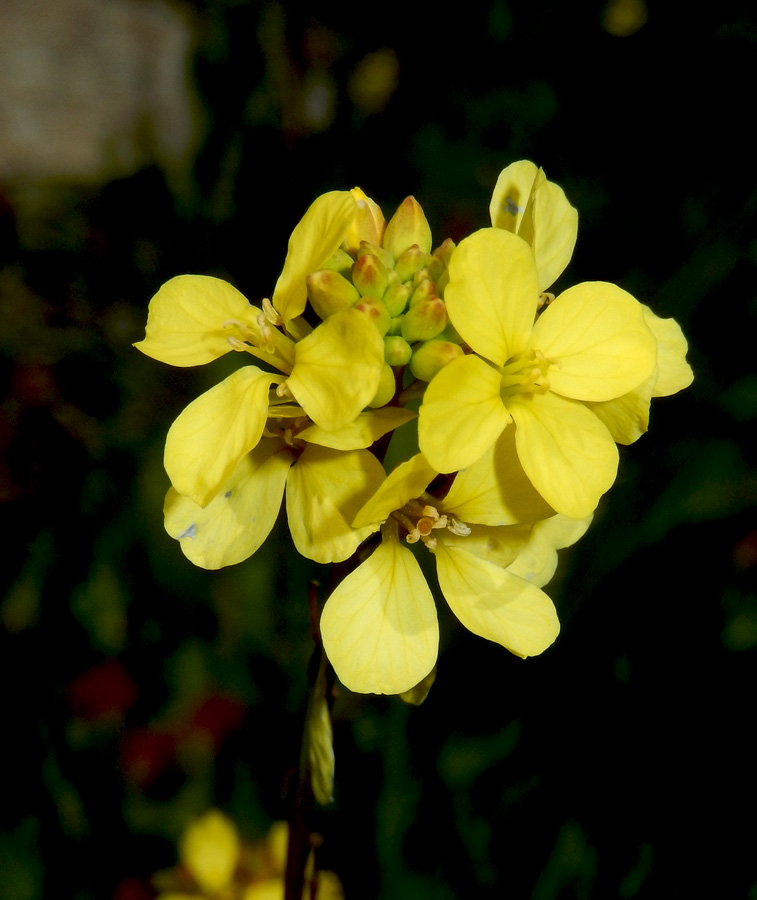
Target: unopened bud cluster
(397, 281)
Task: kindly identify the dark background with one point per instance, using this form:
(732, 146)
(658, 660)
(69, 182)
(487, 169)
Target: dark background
(139, 691)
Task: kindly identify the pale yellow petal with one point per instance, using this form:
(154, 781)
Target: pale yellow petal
(462, 414)
(325, 490)
(495, 490)
(565, 450)
(596, 335)
(627, 417)
(409, 479)
(379, 626)
(673, 372)
(316, 236)
(240, 516)
(492, 292)
(207, 440)
(185, 321)
(499, 545)
(364, 431)
(495, 604)
(511, 195)
(337, 369)
(537, 560)
(555, 232)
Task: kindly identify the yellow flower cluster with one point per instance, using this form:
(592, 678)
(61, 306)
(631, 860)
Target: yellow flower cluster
(524, 397)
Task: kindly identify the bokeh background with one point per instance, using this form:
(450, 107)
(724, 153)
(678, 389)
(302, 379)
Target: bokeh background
(140, 139)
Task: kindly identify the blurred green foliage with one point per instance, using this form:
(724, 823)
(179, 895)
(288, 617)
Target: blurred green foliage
(140, 691)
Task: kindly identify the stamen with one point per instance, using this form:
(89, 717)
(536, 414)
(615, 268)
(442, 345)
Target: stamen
(457, 527)
(270, 313)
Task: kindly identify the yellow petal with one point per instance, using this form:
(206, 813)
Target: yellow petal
(367, 225)
(316, 236)
(565, 450)
(499, 545)
(185, 320)
(337, 369)
(325, 490)
(555, 232)
(240, 516)
(495, 490)
(511, 196)
(379, 627)
(462, 414)
(596, 334)
(407, 480)
(210, 849)
(364, 431)
(537, 560)
(627, 417)
(492, 293)
(207, 440)
(673, 372)
(495, 604)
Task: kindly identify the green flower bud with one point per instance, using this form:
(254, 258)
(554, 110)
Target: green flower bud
(395, 298)
(370, 276)
(432, 357)
(340, 262)
(366, 249)
(329, 292)
(407, 226)
(375, 310)
(395, 328)
(410, 262)
(397, 351)
(387, 387)
(424, 290)
(425, 320)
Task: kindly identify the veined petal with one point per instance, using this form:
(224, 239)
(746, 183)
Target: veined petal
(495, 490)
(367, 428)
(379, 626)
(325, 490)
(337, 369)
(596, 334)
(565, 450)
(495, 604)
(462, 414)
(673, 372)
(240, 516)
(492, 292)
(185, 320)
(409, 479)
(316, 236)
(499, 545)
(207, 440)
(512, 193)
(537, 561)
(627, 417)
(555, 232)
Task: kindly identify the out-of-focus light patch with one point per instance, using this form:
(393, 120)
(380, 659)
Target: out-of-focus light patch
(374, 80)
(318, 101)
(622, 18)
(91, 91)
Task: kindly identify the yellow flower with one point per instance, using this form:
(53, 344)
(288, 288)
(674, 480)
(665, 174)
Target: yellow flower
(379, 627)
(591, 344)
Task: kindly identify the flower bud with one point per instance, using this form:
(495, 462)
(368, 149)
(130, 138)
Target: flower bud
(370, 277)
(424, 290)
(395, 298)
(408, 264)
(341, 262)
(425, 320)
(329, 292)
(397, 351)
(395, 327)
(385, 256)
(407, 226)
(432, 356)
(368, 224)
(386, 388)
(375, 310)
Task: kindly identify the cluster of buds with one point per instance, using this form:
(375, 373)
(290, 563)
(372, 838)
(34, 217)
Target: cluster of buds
(524, 397)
